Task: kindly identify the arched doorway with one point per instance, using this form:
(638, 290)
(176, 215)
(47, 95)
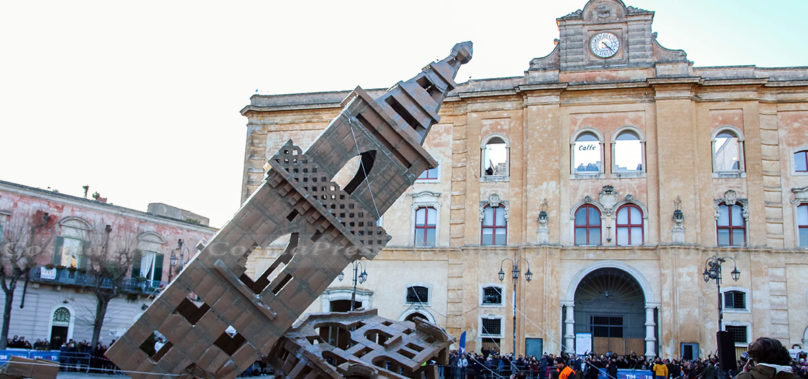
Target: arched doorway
(60, 326)
(610, 304)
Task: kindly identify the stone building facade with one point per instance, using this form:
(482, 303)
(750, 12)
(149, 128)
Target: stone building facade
(59, 300)
(613, 169)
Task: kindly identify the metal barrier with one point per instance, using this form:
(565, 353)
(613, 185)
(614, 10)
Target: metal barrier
(68, 361)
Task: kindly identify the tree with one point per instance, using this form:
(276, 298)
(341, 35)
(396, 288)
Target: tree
(23, 240)
(108, 262)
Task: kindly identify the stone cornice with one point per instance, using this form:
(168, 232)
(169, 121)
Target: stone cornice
(98, 206)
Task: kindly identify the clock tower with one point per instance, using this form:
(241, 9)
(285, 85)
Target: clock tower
(606, 34)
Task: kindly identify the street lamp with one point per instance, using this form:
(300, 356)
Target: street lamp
(515, 277)
(361, 278)
(712, 270)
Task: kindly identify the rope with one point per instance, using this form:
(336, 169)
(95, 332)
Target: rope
(364, 172)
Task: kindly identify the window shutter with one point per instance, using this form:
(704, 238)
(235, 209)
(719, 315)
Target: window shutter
(82, 259)
(158, 267)
(57, 251)
(136, 264)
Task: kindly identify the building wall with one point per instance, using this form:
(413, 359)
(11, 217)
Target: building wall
(676, 109)
(86, 219)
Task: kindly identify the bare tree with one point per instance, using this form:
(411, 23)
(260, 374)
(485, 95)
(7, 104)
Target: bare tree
(108, 262)
(23, 240)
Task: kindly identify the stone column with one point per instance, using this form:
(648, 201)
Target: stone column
(569, 321)
(650, 325)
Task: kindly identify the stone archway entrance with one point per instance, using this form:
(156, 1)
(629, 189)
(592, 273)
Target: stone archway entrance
(629, 293)
(610, 304)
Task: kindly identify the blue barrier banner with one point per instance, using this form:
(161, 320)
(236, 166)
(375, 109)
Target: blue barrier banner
(628, 374)
(52, 355)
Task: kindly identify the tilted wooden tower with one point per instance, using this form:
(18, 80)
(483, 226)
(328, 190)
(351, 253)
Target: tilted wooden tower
(231, 320)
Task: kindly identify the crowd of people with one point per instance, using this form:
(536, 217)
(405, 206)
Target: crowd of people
(767, 359)
(490, 364)
(73, 355)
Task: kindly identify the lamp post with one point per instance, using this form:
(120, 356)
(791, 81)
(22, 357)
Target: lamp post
(515, 277)
(356, 277)
(712, 270)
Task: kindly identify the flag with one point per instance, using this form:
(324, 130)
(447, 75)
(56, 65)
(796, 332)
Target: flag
(463, 343)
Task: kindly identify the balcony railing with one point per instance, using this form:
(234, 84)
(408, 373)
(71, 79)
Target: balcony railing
(79, 278)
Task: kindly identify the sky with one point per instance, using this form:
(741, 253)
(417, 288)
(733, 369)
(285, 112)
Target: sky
(140, 100)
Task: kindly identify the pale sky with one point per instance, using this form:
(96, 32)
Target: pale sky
(140, 100)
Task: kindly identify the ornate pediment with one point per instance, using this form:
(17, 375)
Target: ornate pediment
(731, 198)
(800, 195)
(494, 200)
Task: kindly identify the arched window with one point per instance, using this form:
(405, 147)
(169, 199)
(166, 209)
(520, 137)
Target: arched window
(494, 228)
(587, 226)
(728, 152)
(802, 224)
(801, 161)
(628, 152)
(730, 225)
(495, 158)
(629, 226)
(587, 155)
(425, 226)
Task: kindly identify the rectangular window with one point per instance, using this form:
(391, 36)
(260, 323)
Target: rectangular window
(801, 161)
(492, 295)
(734, 300)
(68, 252)
(607, 326)
(149, 266)
(417, 294)
(429, 174)
(492, 326)
(737, 332)
(494, 226)
(425, 226)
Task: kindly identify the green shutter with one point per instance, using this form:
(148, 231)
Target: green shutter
(57, 251)
(158, 267)
(136, 264)
(82, 258)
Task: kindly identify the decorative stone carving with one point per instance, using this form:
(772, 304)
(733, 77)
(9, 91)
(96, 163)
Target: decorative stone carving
(544, 231)
(800, 195)
(608, 197)
(425, 194)
(678, 231)
(493, 200)
(603, 12)
(425, 198)
(731, 198)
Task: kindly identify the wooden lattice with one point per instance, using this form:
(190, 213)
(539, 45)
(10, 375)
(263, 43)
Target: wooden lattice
(213, 320)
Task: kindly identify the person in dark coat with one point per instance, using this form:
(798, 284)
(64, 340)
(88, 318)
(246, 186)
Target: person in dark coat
(771, 360)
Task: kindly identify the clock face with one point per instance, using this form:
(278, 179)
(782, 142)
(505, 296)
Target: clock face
(604, 44)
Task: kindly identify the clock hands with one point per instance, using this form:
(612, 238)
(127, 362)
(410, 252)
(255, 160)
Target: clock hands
(606, 45)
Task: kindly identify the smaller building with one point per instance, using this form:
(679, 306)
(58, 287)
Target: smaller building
(59, 302)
